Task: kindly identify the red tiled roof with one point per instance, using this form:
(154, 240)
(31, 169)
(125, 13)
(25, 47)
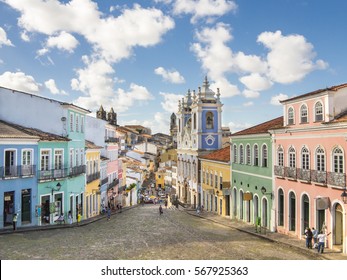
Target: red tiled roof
(261, 128)
(219, 155)
(332, 88)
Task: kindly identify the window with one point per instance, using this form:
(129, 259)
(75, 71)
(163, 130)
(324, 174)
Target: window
(77, 123)
(305, 159)
(264, 152)
(82, 124)
(318, 112)
(235, 154)
(280, 157)
(338, 160)
(45, 160)
(256, 155)
(209, 120)
(58, 159)
(211, 179)
(303, 114)
(221, 182)
(26, 157)
(194, 121)
(216, 180)
(71, 121)
(76, 158)
(241, 154)
(320, 160)
(203, 177)
(248, 154)
(82, 156)
(292, 157)
(290, 116)
(71, 158)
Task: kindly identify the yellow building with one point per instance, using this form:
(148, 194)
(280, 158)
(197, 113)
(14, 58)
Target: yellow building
(169, 155)
(215, 173)
(159, 179)
(92, 194)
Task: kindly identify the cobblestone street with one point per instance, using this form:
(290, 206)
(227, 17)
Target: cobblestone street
(140, 233)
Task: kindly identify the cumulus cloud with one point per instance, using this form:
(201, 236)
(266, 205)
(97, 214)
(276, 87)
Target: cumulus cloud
(52, 87)
(202, 9)
(64, 41)
(170, 103)
(171, 76)
(275, 100)
(250, 93)
(3, 38)
(256, 82)
(290, 58)
(135, 26)
(19, 81)
(235, 127)
(25, 37)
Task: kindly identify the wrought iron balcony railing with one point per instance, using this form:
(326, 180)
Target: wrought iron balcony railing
(7, 172)
(60, 173)
(93, 177)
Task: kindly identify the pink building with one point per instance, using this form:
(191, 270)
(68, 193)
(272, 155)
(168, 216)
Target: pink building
(310, 165)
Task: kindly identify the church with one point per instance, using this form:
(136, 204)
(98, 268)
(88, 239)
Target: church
(199, 132)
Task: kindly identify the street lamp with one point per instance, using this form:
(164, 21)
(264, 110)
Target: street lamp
(263, 191)
(58, 187)
(344, 196)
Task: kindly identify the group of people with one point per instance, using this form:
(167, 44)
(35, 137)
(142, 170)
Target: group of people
(318, 239)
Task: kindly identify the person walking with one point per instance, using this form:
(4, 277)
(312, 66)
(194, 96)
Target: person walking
(160, 210)
(108, 213)
(69, 217)
(321, 241)
(14, 221)
(314, 235)
(309, 235)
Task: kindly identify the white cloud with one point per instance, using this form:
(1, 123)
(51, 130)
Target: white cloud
(170, 103)
(203, 9)
(250, 63)
(275, 100)
(256, 82)
(250, 93)
(25, 37)
(50, 84)
(111, 37)
(248, 104)
(290, 57)
(3, 38)
(234, 127)
(64, 41)
(171, 76)
(19, 81)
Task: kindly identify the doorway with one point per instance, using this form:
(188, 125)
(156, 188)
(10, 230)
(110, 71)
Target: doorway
(292, 212)
(306, 213)
(338, 229)
(9, 208)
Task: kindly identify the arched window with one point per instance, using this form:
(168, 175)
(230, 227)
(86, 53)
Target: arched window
(305, 159)
(280, 157)
(256, 155)
(235, 154)
(290, 116)
(209, 120)
(241, 154)
(320, 159)
(338, 160)
(303, 114)
(264, 155)
(318, 112)
(292, 160)
(194, 121)
(248, 154)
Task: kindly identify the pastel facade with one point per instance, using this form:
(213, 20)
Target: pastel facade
(252, 178)
(310, 165)
(199, 132)
(215, 181)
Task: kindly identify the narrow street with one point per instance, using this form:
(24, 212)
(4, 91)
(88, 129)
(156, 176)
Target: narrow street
(140, 233)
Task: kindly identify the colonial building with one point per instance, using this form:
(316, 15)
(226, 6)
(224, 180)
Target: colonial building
(215, 181)
(310, 165)
(199, 132)
(252, 177)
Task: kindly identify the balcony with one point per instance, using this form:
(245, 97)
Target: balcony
(304, 174)
(104, 181)
(279, 171)
(8, 172)
(336, 179)
(113, 183)
(290, 172)
(319, 177)
(93, 177)
(111, 140)
(53, 174)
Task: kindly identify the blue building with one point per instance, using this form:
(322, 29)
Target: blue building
(199, 132)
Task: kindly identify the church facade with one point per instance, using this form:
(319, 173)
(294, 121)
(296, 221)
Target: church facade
(199, 132)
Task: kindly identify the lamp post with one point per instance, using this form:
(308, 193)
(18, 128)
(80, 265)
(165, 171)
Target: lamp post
(344, 196)
(263, 191)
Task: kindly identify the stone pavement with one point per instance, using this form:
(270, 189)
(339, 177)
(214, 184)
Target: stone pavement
(282, 239)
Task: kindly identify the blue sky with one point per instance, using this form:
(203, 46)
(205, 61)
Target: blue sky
(140, 57)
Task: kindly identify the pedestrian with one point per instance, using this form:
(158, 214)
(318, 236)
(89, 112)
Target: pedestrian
(14, 221)
(160, 210)
(321, 241)
(314, 234)
(165, 203)
(309, 236)
(120, 208)
(202, 208)
(198, 210)
(79, 217)
(108, 213)
(69, 217)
